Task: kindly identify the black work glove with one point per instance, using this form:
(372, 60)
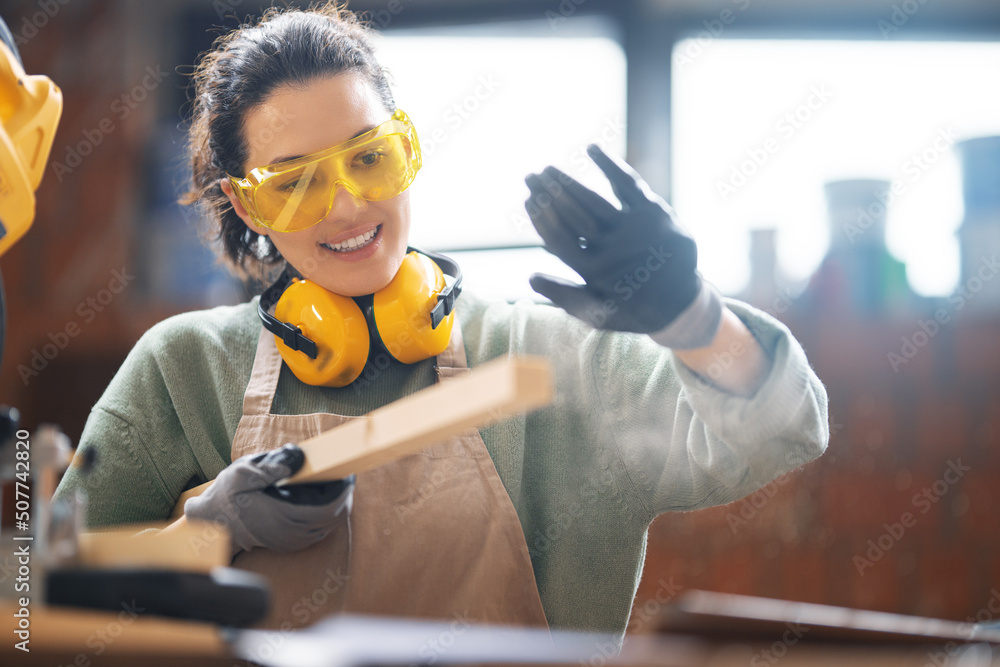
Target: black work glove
(639, 267)
(259, 514)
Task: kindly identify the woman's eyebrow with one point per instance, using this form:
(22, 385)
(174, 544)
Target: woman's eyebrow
(296, 157)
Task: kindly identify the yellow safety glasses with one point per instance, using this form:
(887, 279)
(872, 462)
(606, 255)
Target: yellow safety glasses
(297, 194)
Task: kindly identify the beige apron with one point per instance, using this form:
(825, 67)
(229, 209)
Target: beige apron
(432, 535)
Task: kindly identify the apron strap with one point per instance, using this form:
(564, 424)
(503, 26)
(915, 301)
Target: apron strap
(452, 361)
(264, 377)
(260, 392)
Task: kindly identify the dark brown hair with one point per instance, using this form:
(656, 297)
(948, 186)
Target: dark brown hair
(287, 46)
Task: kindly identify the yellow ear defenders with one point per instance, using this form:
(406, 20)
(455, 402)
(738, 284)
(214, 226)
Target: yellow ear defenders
(326, 338)
(29, 112)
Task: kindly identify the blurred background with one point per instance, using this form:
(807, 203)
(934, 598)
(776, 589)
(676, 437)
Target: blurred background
(837, 161)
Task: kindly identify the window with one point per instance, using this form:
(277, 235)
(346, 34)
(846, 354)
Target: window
(491, 104)
(760, 125)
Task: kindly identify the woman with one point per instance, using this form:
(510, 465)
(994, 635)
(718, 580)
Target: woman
(538, 520)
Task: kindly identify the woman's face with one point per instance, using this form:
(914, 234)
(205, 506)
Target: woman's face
(298, 120)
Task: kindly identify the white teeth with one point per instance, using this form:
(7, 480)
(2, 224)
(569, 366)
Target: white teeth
(351, 244)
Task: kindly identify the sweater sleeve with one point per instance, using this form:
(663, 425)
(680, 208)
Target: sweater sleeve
(627, 408)
(687, 445)
(124, 485)
(165, 421)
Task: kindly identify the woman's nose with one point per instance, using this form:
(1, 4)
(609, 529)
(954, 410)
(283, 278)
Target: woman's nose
(347, 205)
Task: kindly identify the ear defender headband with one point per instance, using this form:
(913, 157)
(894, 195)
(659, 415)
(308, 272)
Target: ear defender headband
(29, 112)
(326, 338)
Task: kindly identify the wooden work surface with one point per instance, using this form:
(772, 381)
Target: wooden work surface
(64, 637)
(727, 616)
(679, 651)
(61, 637)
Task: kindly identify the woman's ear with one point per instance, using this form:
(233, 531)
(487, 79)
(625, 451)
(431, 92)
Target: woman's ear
(227, 189)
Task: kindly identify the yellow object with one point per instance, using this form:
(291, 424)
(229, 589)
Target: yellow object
(296, 194)
(337, 325)
(401, 311)
(326, 338)
(30, 107)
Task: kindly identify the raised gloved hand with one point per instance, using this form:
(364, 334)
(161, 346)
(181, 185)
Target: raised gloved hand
(259, 514)
(639, 267)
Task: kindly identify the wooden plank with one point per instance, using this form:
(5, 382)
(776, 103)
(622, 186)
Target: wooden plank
(195, 546)
(125, 632)
(488, 394)
(730, 616)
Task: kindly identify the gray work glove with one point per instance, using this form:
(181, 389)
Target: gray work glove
(639, 267)
(259, 514)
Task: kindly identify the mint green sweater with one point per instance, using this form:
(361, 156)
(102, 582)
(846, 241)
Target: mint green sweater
(632, 433)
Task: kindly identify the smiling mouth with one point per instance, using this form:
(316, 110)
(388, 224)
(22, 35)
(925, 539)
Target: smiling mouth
(355, 243)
